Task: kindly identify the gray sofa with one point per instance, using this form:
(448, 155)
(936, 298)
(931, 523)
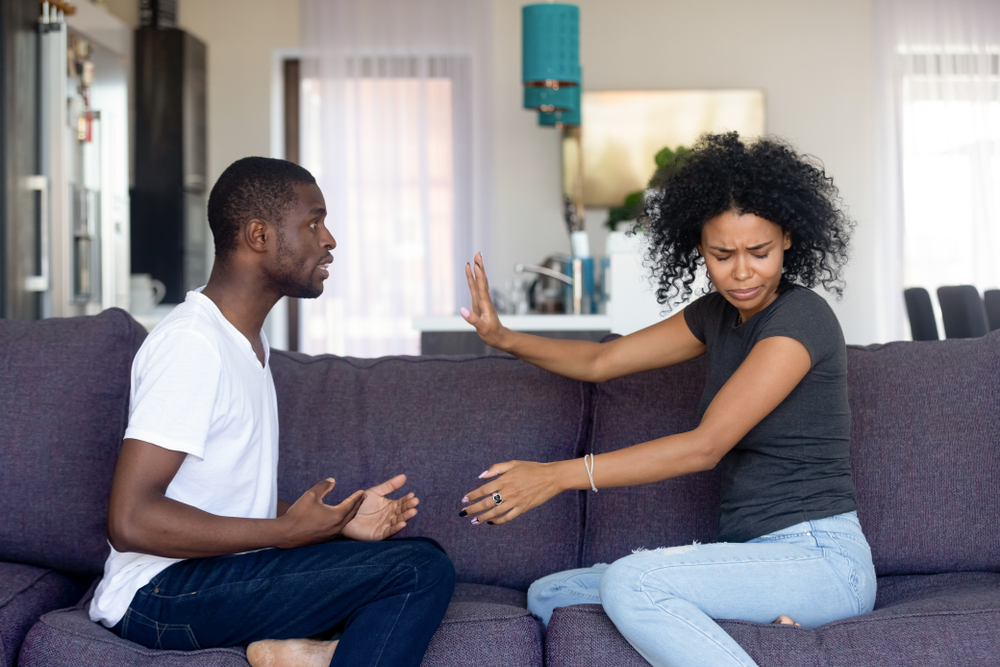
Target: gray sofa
(926, 457)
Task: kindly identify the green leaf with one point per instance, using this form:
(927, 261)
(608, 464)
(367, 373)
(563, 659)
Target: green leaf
(664, 157)
(631, 208)
(616, 214)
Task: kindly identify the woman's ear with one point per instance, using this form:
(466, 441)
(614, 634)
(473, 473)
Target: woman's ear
(788, 241)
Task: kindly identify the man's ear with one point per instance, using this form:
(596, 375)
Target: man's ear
(257, 235)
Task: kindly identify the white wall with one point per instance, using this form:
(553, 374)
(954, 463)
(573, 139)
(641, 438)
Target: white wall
(814, 62)
(242, 36)
(126, 10)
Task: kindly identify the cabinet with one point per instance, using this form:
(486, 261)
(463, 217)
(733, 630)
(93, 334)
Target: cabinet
(170, 233)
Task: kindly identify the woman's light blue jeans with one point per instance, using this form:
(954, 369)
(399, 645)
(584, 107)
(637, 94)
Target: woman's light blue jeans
(663, 601)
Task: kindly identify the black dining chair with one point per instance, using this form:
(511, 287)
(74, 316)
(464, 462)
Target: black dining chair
(991, 298)
(963, 311)
(921, 314)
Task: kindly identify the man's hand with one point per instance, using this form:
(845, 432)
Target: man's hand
(309, 520)
(381, 517)
(142, 519)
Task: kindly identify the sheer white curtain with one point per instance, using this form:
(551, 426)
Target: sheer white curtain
(939, 104)
(395, 127)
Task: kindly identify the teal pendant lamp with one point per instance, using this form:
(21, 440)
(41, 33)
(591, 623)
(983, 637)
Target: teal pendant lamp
(550, 64)
(550, 70)
(551, 45)
(569, 117)
(549, 99)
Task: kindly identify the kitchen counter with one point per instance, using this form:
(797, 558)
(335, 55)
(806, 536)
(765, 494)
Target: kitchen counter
(453, 335)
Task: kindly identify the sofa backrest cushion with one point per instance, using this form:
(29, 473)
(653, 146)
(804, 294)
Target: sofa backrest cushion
(64, 396)
(926, 453)
(441, 421)
(635, 409)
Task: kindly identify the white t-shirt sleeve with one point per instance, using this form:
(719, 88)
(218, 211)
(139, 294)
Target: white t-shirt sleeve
(175, 385)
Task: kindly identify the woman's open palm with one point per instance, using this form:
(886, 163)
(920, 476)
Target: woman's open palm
(483, 315)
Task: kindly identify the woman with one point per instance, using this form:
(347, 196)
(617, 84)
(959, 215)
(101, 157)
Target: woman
(767, 225)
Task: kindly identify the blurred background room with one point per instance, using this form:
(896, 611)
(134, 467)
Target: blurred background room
(432, 138)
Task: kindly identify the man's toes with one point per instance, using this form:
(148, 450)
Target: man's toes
(261, 654)
(785, 620)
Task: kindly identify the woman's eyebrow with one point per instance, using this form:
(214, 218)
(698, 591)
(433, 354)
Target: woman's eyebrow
(756, 247)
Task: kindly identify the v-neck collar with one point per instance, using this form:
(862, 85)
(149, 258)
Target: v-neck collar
(241, 341)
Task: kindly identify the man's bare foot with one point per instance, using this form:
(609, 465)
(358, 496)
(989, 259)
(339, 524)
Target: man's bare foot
(785, 620)
(290, 653)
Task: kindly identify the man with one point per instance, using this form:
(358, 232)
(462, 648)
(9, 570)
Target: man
(204, 554)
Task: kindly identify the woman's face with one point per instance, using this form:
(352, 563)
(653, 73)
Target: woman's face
(744, 254)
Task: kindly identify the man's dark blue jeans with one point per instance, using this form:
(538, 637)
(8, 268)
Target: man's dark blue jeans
(389, 598)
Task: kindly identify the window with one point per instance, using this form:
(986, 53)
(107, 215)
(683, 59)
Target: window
(391, 191)
(951, 166)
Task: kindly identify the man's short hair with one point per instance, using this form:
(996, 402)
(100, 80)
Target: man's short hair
(252, 188)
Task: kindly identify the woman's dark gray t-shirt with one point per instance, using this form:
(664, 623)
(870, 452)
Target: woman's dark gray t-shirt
(795, 464)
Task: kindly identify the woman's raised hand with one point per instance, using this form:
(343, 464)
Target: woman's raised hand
(483, 315)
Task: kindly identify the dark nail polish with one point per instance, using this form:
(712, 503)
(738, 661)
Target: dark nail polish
(490, 522)
(462, 513)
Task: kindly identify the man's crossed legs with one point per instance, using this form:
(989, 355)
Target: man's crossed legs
(389, 597)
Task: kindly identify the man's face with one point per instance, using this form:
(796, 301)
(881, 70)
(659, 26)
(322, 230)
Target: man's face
(302, 257)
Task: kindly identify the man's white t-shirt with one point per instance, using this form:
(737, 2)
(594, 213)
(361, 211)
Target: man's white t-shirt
(198, 388)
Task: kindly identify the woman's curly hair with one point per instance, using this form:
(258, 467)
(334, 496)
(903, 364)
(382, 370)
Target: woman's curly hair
(765, 177)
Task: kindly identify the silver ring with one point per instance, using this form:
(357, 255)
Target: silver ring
(496, 497)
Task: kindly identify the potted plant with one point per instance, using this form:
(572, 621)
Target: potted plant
(631, 208)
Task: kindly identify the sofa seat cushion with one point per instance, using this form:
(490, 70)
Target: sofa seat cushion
(26, 593)
(64, 398)
(485, 626)
(957, 592)
(486, 634)
(492, 594)
(441, 421)
(584, 635)
(68, 638)
(932, 621)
